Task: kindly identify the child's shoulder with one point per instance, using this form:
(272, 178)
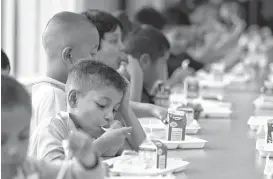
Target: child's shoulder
(60, 125)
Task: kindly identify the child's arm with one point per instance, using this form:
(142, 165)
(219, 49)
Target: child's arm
(85, 164)
(148, 110)
(138, 135)
(136, 79)
(46, 141)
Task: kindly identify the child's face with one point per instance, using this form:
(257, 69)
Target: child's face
(112, 40)
(97, 109)
(14, 139)
(155, 70)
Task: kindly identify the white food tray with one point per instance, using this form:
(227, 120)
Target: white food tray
(260, 146)
(159, 128)
(216, 112)
(261, 104)
(255, 122)
(214, 84)
(143, 177)
(189, 143)
(174, 165)
(259, 112)
(212, 104)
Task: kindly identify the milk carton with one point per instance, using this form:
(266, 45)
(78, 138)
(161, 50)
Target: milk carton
(267, 91)
(162, 97)
(191, 88)
(154, 153)
(176, 129)
(269, 135)
(189, 113)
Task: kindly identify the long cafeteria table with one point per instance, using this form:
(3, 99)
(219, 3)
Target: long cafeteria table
(230, 152)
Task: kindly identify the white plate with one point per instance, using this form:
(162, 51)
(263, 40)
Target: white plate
(173, 165)
(260, 146)
(255, 122)
(189, 143)
(158, 128)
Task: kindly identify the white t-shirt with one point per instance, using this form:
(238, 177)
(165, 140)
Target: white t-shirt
(48, 99)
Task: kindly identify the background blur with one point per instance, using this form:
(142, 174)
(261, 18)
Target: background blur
(23, 22)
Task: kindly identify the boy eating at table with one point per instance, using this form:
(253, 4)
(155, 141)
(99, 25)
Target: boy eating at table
(151, 49)
(95, 92)
(15, 120)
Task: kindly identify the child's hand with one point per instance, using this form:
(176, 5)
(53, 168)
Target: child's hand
(126, 97)
(113, 139)
(112, 58)
(80, 144)
(178, 76)
(159, 112)
(133, 68)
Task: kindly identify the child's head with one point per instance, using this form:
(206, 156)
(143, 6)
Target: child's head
(128, 25)
(151, 48)
(94, 93)
(15, 121)
(175, 16)
(67, 38)
(5, 66)
(109, 28)
(150, 16)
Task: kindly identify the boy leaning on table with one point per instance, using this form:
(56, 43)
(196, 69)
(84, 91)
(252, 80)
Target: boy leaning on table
(65, 43)
(68, 37)
(15, 120)
(150, 48)
(95, 92)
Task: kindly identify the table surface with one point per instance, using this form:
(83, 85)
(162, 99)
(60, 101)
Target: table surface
(230, 152)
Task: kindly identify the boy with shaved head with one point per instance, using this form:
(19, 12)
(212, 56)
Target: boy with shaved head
(68, 38)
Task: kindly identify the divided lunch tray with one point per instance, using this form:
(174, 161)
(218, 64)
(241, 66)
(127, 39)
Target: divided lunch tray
(156, 126)
(255, 122)
(216, 112)
(189, 143)
(170, 176)
(174, 165)
(264, 105)
(260, 146)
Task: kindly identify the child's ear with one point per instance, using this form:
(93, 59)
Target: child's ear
(145, 60)
(73, 98)
(66, 55)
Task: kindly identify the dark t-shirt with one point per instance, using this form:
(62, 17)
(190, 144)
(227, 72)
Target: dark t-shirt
(175, 61)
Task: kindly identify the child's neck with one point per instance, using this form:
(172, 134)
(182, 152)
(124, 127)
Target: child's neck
(55, 74)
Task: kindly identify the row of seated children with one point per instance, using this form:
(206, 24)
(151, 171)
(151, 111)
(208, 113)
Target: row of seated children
(149, 53)
(94, 93)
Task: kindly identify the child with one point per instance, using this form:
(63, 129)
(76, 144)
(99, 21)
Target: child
(95, 92)
(15, 118)
(64, 43)
(5, 66)
(110, 28)
(150, 48)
